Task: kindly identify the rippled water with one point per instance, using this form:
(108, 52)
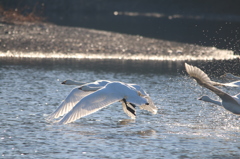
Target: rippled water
(183, 127)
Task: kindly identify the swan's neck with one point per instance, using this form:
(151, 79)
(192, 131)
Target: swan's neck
(77, 83)
(213, 101)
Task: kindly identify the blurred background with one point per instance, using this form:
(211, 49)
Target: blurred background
(201, 22)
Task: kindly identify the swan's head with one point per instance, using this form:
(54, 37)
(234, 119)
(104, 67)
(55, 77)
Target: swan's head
(204, 98)
(67, 82)
(71, 82)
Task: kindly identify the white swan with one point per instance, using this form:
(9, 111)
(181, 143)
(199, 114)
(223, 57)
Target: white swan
(231, 103)
(108, 94)
(87, 88)
(127, 107)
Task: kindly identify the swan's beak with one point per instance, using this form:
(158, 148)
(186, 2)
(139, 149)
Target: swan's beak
(199, 98)
(64, 82)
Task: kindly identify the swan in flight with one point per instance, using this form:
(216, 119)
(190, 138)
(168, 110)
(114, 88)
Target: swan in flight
(110, 93)
(231, 103)
(86, 89)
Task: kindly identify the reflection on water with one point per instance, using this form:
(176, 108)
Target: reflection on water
(126, 121)
(147, 132)
(215, 67)
(183, 127)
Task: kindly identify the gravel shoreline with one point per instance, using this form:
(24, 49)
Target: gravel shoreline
(47, 38)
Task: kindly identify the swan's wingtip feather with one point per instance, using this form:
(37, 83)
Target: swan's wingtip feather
(49, 118)
(62, 122)
(186, 65)
(189, 68)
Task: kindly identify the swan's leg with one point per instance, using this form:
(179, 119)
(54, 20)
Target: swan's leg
(129, 108)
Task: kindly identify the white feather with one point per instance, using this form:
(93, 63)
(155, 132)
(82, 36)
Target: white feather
(69, 102)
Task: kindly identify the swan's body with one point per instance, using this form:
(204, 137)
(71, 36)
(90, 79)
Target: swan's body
(231, 103)
(86, 89)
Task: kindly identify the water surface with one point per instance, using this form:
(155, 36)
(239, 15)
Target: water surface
(184, 127)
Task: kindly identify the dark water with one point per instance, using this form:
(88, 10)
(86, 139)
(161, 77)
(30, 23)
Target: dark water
(184, 127)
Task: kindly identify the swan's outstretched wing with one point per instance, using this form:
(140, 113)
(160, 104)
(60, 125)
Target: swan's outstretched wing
(204, 77)
(203, 80)
(129, 109)
(71, 100)
(90, 104)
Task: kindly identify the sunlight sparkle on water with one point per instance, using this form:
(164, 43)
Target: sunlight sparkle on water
(183, 126)
(211, 54)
